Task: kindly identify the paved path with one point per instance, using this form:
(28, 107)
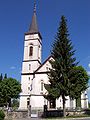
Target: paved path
(87, 118)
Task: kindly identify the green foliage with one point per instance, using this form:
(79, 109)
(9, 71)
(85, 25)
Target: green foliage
(62, 52)
(78, 81)
(15, 103)
(1, 77)
(2, 115)
(9, 88)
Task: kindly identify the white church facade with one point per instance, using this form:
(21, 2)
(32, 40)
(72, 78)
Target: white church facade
(34, 74)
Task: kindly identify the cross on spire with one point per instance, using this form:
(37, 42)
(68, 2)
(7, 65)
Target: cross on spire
(34, 5)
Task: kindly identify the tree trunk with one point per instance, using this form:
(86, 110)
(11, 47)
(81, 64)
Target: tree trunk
(9, 102)
(78, 102)
(64, 110)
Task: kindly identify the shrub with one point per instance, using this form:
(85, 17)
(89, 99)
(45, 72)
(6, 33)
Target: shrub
(2, 115)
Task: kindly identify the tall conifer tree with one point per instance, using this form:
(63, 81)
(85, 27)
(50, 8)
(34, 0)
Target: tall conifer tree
(64, 60)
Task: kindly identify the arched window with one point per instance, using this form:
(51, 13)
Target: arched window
(31, 51)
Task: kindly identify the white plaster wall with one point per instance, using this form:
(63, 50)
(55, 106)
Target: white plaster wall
(33, 36)
(84, 103)
(36, 45)
(23, 102)
(59, 103)
(84, 100)
(74, 103)
(25, 83)
(37, 83)
(37, 102)
(25, 57)
(34, 66)
(87, 103)
(35, 40)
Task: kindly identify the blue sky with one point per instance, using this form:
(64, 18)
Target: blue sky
(15, 18)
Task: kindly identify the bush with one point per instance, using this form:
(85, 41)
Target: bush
(2, 115)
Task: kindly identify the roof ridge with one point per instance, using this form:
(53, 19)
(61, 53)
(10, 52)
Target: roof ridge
(43, 63)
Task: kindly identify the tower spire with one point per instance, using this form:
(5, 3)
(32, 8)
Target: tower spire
(34, 27)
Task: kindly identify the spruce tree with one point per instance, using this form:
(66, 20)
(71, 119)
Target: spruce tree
(64, 60)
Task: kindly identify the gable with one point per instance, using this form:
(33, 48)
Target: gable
(45, 66)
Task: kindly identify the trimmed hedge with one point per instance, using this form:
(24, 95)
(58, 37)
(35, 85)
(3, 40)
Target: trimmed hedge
(2, 115)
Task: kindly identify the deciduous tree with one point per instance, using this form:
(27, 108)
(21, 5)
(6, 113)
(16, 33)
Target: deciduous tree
(9, 88)
(78, 83)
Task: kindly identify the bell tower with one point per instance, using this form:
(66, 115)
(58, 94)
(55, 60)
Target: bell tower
(32, 47)
(31, 59)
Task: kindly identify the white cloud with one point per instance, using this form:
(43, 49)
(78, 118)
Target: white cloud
(88, 72)
(12, 67)
(89, 65)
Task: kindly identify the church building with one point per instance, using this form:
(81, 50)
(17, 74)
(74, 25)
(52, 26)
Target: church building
(34, 74)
